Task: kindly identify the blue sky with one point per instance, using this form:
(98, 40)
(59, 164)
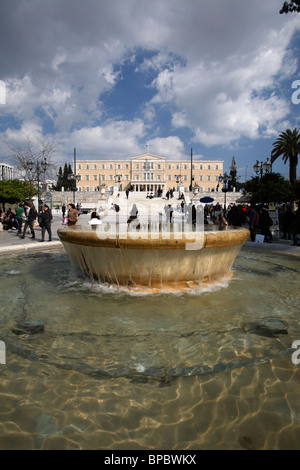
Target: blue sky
(114, 78)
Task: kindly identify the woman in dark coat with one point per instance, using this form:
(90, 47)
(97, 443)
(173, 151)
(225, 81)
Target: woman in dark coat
(265, 223)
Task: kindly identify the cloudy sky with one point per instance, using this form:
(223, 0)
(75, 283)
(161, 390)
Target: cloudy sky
(115, 78)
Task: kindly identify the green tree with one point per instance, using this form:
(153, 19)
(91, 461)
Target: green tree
(58, 185)
(296, 191)
(272, 187)
(287, 145)
(15, 191)
(290, 7)
(64, 179)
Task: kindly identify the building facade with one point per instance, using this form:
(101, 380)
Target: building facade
(6, 172)
(148, 173)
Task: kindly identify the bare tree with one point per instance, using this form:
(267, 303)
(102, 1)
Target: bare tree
(36, 150)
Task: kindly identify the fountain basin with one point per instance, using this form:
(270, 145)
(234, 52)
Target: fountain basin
(165, 262)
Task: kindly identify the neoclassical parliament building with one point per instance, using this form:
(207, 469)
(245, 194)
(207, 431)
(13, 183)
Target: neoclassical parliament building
(148, 173)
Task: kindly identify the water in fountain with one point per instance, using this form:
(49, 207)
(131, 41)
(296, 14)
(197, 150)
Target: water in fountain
(89, 366)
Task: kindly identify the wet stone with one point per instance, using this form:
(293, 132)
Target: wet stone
(31, 327)
(270, 327)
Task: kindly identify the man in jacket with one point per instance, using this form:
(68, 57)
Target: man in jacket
(31, 214)
(45, 222)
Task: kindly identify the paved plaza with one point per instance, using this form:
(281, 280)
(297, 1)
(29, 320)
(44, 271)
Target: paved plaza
(10, 243)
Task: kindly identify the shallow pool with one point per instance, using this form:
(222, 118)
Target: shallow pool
(92, 367)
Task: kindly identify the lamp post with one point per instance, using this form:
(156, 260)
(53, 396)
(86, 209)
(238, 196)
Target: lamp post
(74, 179)
(178, 179)
(192, 177)
(259, 168)
(41, 167)
(118, 181)
(224, 179)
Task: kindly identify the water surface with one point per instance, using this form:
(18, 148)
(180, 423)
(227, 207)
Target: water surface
(92, 367)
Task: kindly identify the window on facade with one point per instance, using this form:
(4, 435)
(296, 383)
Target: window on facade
(185, 177)
(110, 177)
(110, 166)
(208, 178)
(158, 166)
(95, 166)
(87, 177)
(79, 167)
(169, 167)
(185, 167)
(137, 166)
(217, 167)
(87, 189)
(119, 166)
(200, 178)
(208, 167)
(137, 177)
(95, 177)
(126, 166)
(103, 166)
(201, 167)
(87, 166)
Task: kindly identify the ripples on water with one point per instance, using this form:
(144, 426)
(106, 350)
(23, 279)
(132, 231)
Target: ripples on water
(110, 369)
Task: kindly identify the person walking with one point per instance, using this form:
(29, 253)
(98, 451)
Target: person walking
(45, 222)
(30, 218)
(19, 214)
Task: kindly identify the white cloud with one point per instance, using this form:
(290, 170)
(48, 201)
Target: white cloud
(217, 66)
(229, 98)
(113, 139)
(171, 147)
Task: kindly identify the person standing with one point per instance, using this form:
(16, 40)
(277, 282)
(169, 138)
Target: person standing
(253, 223)
(63, 210)
(45, 222)
(73, 215)
(30, 218)
(265, 222)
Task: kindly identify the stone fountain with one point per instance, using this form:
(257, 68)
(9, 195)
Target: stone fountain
(154, 255)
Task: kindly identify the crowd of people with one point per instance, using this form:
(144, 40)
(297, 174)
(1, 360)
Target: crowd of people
(25, 218)
(258, 220)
